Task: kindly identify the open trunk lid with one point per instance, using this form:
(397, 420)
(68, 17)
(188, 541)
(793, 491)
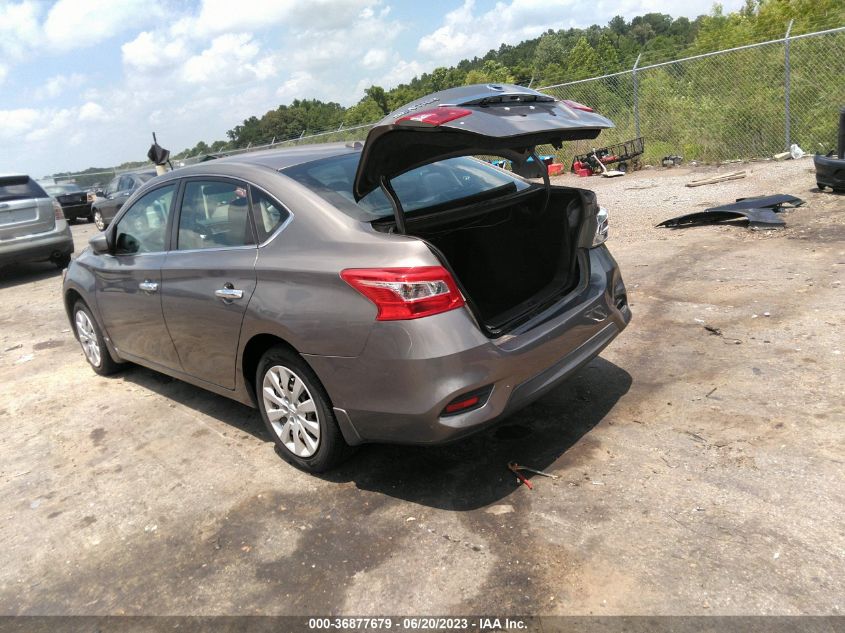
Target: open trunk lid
(499, 119)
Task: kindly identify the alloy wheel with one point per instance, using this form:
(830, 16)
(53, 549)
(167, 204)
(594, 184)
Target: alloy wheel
(88, 338)
(292, 411)
(98, 221)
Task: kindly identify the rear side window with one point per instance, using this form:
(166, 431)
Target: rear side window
(431, 185)
(20, 188)
(269, 213)
(143, 228)
(214, 214)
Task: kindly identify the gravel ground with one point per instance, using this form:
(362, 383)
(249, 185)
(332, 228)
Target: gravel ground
(640, 200)
(700, 471)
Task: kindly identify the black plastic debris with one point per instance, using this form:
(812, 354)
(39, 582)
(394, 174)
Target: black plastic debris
(761, 212)
(830, 169)
(157, 154)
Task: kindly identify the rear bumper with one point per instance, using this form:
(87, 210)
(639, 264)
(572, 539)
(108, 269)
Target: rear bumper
(76, 211)
(830, 172)
(38, 246)
(397, 389)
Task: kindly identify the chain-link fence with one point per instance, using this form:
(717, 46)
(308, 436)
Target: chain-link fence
(747, 102)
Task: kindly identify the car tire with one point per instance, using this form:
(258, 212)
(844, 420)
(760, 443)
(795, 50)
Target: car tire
(62, 262)
(91, 339)
(297, 411)
(98, 221)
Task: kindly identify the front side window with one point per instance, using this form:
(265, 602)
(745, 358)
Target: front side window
(112, 186)
(125, 183)
(143, 228)
(214, 214)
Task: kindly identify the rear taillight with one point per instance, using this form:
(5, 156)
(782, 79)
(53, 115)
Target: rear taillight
(602, 227)
(436, 116)
(576, 106)
(57, 208)
(406, 293)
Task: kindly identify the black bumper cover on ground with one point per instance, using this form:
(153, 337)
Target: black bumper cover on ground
(830, 172)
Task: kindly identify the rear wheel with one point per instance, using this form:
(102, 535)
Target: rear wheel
(91, 340)
(98, 220)
(62, 262)
(297, 411)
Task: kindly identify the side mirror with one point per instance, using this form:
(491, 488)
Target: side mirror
(100, 243)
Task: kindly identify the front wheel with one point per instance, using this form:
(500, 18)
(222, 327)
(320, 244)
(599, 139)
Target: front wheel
(297, 411)
(98, 221)
(91, 340)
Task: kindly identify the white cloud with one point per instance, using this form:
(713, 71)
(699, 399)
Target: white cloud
(79, 23)
(153, 50)
(91, 111)
(17, 122)
(57, 84)
(229, 58)
(465, 33)
(374, 58)
(18, 28)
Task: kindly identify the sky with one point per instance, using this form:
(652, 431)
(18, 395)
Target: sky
(84, 82)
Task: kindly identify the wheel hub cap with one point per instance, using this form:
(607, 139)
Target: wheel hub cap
(291, 410)
(88, 338)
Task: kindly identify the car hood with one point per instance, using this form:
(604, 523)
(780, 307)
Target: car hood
(499, 119)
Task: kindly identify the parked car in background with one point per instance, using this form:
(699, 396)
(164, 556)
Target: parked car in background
(116, 193)
(32, 224)
(401, 292)
(74, 201)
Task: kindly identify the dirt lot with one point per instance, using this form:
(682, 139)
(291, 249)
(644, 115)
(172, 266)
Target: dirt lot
(699, 473)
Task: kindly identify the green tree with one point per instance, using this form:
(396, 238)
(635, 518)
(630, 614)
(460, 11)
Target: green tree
(582, 61)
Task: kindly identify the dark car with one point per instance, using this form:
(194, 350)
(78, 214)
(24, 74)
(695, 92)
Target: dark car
(32, 225)
(75, 202)
(116, 193)
(402, 291)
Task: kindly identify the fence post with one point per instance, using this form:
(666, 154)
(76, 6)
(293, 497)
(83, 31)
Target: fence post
(786, 88)
(636, 98)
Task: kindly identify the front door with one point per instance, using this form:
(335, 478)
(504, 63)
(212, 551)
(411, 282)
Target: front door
(209, 277)
(129, 281)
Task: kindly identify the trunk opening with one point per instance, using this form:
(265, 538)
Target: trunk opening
(510, 257)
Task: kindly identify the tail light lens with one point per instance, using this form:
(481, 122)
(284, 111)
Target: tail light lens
(406, 293)
(436, 116)
(57, 209)
(576, 106)
(602, 227)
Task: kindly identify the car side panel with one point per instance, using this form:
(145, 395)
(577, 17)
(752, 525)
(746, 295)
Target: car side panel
(300, 295)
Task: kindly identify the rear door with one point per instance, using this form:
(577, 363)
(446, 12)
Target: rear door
(128, 282)
(25, 208)
(209, 276)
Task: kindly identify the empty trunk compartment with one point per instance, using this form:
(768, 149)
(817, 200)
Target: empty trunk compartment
(510, 258)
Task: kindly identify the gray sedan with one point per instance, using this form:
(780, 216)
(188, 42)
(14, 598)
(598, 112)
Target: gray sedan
(399, 291)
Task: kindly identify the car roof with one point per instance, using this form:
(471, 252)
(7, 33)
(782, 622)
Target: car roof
(279, 159)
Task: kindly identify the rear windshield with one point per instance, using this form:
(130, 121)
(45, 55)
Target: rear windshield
(431, 185)
(145, 176)
(19, 188)
(57, 190)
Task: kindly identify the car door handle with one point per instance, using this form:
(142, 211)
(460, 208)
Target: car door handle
(148, 286)
(228, 294)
